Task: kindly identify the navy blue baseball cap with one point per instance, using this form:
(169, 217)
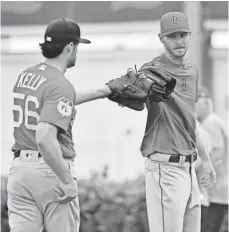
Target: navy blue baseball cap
(64, 31)
(174, 22)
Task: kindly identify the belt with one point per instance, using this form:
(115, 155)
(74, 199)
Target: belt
(17, 154)
(188, 158)
(161, 157)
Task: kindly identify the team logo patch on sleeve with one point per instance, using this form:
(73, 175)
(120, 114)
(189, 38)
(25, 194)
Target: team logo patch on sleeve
(65, 106)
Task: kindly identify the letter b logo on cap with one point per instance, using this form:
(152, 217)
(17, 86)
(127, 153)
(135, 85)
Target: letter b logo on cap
(174, 19)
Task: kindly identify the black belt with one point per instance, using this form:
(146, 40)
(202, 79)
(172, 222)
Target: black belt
(17, 154)
(188, 158)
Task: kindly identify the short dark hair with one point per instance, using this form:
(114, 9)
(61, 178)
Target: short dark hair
(51, 50)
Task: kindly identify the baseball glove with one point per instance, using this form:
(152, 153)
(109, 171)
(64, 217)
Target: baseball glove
(163, 83)
(133, 88)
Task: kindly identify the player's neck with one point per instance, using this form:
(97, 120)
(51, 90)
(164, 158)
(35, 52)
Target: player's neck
(175, 60)
(56, 63)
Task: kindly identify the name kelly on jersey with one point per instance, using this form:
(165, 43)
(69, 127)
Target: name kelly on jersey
(30, 80)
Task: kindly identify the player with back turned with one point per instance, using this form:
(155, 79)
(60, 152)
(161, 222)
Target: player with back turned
(42, 187)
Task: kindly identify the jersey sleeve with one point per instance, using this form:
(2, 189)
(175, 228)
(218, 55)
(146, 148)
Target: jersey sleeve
(58, 106)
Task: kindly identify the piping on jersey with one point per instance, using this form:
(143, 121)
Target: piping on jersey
(162, 206)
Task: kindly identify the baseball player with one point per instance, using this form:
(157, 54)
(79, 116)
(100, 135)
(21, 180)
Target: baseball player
(42, 187)
(169, 143)
(218, 194)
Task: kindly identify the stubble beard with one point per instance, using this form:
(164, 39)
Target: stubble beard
(177, 54)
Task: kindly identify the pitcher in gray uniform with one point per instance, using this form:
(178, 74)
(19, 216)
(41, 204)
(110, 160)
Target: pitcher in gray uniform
(170, 144)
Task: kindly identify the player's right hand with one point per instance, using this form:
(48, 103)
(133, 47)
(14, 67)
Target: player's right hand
(69, 191)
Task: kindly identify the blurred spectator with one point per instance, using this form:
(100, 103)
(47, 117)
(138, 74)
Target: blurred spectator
(204, 195)
(218, 193)
(207, 142)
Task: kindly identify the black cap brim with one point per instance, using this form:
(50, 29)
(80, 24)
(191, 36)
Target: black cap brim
(85, 41)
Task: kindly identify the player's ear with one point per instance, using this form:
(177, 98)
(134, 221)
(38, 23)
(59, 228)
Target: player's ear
(70, 47)
(71, 44)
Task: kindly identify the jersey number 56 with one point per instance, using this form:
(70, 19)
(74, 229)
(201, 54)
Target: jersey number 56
(24, 112)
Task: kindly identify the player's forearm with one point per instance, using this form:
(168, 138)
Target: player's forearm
(91, 95)
(50, 151)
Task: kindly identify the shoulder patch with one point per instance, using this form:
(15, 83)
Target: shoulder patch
(65, 107)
